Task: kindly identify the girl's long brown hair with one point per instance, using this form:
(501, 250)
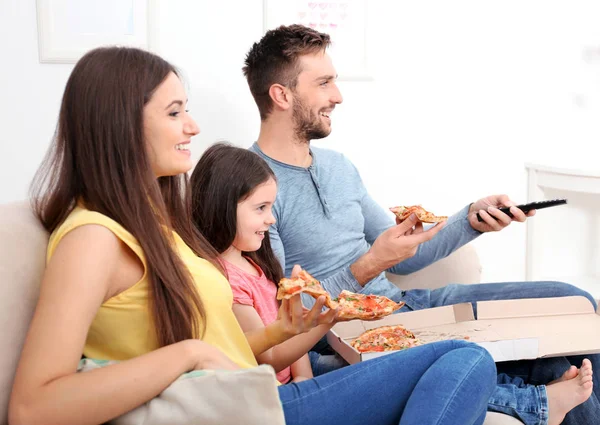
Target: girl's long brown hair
(98, 157)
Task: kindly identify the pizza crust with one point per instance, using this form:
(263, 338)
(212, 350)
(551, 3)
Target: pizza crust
(403, 212)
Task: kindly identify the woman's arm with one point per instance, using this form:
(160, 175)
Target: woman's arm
(47, 390)
(286, 348)
(301, 369)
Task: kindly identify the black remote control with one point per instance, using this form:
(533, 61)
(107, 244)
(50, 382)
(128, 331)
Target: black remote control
(531, 206)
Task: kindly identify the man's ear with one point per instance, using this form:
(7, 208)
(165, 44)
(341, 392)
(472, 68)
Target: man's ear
(280, 96)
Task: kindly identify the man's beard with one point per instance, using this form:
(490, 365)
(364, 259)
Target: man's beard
(306, 125)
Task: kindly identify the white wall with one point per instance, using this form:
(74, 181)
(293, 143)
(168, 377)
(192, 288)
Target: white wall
(464, 93)
(30, 95)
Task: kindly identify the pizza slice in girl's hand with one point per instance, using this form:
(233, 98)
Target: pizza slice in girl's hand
(365, 307)
(350, 305)
(303, 283)
(385, 338)
(422, 214)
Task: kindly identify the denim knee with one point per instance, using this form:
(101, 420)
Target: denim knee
(572, 290)
(483, 359)
(485, 365)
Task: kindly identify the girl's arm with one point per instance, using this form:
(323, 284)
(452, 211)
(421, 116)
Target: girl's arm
(47, 389)
(286, 348)
(301, 369)
(292, 319)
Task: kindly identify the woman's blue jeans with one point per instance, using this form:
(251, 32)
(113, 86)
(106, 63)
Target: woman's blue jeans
(448, 382)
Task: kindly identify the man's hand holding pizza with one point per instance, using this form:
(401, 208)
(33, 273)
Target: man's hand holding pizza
(393, 246)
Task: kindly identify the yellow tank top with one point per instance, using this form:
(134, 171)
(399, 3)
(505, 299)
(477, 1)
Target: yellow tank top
(123, 329)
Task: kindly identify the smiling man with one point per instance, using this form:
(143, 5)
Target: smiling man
(328, 223)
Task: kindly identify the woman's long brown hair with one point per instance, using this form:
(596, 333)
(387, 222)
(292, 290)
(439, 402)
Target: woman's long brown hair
(98, 157)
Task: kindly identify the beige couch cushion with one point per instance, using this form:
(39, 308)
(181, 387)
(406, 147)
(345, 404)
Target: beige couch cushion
(462, 266)
(205, 397)
(22, 260)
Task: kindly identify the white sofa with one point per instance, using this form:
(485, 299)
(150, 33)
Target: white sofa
(22, 257)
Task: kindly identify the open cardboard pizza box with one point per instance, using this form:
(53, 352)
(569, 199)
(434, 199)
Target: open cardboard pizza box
(509, 330)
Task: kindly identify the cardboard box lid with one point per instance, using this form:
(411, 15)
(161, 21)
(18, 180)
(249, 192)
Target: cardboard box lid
(436, 316)
(513, 329)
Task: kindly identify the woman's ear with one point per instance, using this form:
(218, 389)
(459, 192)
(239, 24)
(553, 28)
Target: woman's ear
(281, 97)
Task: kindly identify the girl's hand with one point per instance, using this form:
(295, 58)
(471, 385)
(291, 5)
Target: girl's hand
(206, 356)
(293, 318)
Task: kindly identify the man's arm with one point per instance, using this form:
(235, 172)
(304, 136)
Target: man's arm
(456, 233)
(390, 244)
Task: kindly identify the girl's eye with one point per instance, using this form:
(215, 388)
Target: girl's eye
(262, 207)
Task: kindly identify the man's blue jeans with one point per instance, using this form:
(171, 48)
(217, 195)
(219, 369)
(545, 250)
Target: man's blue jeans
(444, 383)
(514, 395)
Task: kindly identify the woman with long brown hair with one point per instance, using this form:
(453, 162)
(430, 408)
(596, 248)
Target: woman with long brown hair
(129, 279)
(116, 285)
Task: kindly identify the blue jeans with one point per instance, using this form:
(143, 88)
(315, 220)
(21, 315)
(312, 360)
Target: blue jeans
(517, 398)
(447, 382)
(539, 372)
(514, 395)
(325, 363)
(417, 299)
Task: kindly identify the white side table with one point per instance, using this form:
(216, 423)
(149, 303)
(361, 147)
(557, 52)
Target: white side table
(540, 178)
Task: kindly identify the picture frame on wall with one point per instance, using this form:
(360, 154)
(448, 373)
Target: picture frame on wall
(67, 29)
(344, 20)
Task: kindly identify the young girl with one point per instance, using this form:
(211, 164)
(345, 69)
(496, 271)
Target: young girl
(128, 278)
(235, 219)
(233, 190)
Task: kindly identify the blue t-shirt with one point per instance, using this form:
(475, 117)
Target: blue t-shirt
(326, 221)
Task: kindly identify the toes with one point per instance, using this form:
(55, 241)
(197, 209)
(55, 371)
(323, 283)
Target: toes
(570, 373)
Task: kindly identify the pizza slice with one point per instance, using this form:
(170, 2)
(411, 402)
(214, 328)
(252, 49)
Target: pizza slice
(362, 306)
(422, 214)
(350, 305)
(385, 338)
(303, 283)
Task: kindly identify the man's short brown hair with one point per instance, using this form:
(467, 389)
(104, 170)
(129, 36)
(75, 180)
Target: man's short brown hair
(274, 60)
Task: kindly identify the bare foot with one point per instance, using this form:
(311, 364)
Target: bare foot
(569, 374)
(564, 393)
